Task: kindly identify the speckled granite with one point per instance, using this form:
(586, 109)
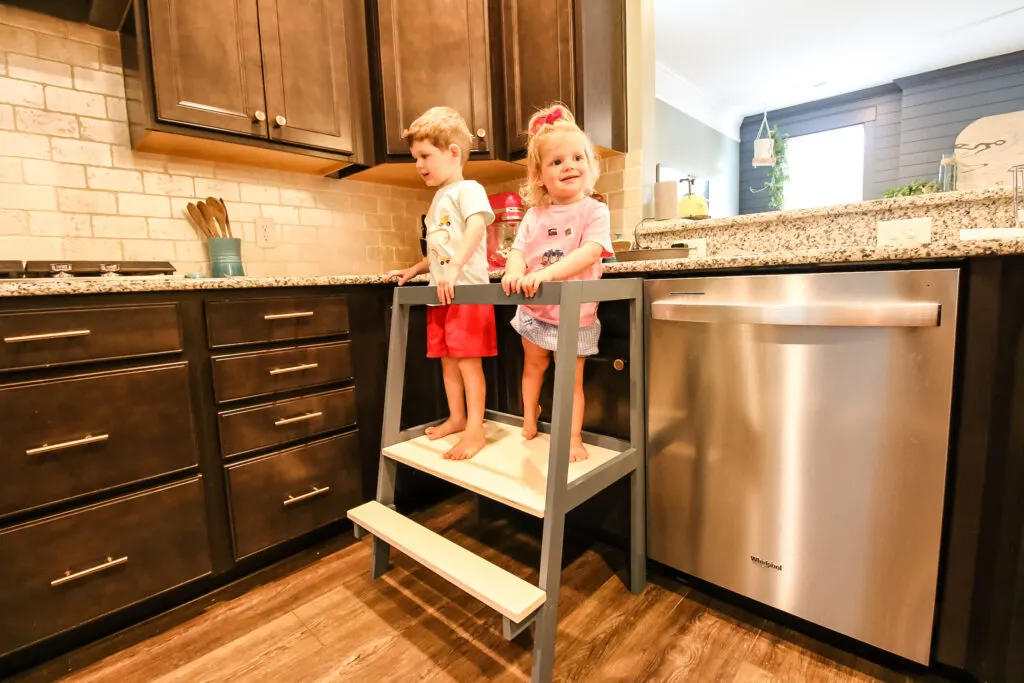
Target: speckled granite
(835, 227)
(829, 236)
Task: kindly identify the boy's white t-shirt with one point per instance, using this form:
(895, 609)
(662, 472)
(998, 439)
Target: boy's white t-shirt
(446, 222)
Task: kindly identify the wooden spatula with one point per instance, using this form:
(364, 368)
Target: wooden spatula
(211, 219)
(221, 212)
(197, 216)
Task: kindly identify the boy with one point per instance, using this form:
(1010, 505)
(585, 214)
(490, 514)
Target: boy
(460, 335)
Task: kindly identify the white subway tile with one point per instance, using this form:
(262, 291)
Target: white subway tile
(282, 214)
(30, 197)
(46, 122)
(13, 222)
(74, 102)
(94, 36)
(114, 179)
(81, 152)
(33, 248)
(119, 226)
(34, 21)
(290, 197)
(48, 223)
(221, 189)
(194, 251)
(70, 52)
(260, 194)
(238, 212)
(111, 60)
(192, 167)
(21, 92)
(102, 130)
(38, 70)
(171, 229)
(164, 184)
(10, 170)
(351, 221)
(86, 201)
(38, 172)
(91, 80)
(148, 250)
(314, 217)
(124, 157)
(143, 205)
(334, 201)
(14, 39)
(92, 249)
(295, 234)
(6, 117)
(116, 109)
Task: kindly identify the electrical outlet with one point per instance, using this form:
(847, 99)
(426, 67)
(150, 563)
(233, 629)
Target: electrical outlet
(907, 232)
(266, 232)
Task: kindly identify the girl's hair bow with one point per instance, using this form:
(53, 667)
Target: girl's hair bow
(553, 116)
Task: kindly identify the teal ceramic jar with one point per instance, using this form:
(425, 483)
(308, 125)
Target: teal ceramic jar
(225, 256)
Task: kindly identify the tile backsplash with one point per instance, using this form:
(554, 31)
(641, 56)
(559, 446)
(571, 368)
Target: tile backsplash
(72, 188)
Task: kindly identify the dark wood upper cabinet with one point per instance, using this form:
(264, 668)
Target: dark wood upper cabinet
(569, 51)
(539, 45)
(307, 70)
(206, 64)
(434, 53)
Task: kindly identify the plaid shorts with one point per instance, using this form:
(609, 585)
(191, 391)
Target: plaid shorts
(545, 335)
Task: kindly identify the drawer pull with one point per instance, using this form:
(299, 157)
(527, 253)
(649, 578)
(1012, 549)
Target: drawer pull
(288, 316)
(109, 564)
(46, 336)
(298, 418)
(292, 500)
(295, 368)
(84, 441)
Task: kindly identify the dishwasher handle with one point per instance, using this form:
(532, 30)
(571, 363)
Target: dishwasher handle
(823, 314)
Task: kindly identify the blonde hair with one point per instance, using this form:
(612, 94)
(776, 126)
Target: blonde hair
(553, 120)
(441, 127)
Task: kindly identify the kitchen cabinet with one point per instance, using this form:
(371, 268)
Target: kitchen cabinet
(434, 53)
(262, 82)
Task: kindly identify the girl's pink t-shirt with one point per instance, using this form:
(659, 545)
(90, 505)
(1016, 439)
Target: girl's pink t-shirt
(548, 234)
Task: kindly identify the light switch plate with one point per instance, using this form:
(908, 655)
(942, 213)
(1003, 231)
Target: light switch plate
(906, 232)
(266, 232)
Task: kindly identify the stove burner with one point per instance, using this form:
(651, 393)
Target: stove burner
(68, 269)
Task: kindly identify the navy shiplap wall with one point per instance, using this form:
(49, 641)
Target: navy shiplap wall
(908, 124)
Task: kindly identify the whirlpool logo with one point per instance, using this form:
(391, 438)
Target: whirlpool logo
(765, 563)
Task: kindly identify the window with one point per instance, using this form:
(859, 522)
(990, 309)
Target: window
(825, 168)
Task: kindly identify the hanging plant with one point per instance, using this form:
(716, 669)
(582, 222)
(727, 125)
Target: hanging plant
(779, 173)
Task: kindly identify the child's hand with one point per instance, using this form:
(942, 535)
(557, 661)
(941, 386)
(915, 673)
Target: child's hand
(446, 285)
(402, 275)
(510, 283)
(531, 283)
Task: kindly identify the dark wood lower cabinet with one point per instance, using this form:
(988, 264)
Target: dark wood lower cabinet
(283, 495)
(62, 571)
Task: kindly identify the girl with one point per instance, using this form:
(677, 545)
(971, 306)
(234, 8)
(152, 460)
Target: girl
(563, 236)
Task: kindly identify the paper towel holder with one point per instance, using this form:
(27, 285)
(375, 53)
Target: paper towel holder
(666, 197)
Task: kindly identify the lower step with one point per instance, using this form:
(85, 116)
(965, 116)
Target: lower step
(511, 596)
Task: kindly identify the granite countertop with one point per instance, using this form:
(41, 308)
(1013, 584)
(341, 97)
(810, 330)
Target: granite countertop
(926, 252)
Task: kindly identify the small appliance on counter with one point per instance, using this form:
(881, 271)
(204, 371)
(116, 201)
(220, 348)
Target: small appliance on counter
(693, 206)
(508, 214)
(11, 269)
(67, 269)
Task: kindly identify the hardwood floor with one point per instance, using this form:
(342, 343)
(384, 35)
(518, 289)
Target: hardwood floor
(328, 621)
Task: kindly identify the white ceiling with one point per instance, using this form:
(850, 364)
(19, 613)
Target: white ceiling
(745, 56)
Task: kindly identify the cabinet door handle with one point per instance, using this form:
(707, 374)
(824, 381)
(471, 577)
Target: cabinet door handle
(619, 364)
(288, 316)
(84, 441)
(109, 564)
(292, 500)
(259, 116)
(298, 418)
(295, 368)
(280, 121)
(481, 133)
(47, 336)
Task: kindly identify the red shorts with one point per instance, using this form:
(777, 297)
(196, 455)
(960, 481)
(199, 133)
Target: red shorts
(461, 331)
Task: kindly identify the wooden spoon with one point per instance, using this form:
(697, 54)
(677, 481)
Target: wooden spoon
(221, 212)
(197, 216)
(211, 219)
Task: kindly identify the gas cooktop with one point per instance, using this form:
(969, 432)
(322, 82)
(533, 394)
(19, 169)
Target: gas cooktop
(67, 269)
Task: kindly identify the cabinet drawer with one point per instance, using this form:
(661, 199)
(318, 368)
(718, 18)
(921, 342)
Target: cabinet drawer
(267, 372)
(231, 323)
(285, 494)
(83, 434)
(249, 429)
(62, 571)
(34, 339)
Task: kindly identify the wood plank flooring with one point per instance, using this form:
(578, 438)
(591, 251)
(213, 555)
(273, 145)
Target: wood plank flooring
(328, 621)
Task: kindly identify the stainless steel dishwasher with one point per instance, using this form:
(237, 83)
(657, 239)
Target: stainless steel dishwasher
(797, 434)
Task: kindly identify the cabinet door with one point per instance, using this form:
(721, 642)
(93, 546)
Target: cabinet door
(434, 53)
(206, 64)
(306, 70)
(539, 61)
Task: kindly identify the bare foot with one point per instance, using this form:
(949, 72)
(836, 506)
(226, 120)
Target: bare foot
(449, 426)
(471, 443)
(576, 450)
(530, 425)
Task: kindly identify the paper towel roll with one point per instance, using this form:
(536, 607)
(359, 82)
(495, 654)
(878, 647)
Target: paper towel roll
(665, 199)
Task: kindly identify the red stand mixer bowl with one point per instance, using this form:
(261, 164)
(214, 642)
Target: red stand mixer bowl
(508, 213)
